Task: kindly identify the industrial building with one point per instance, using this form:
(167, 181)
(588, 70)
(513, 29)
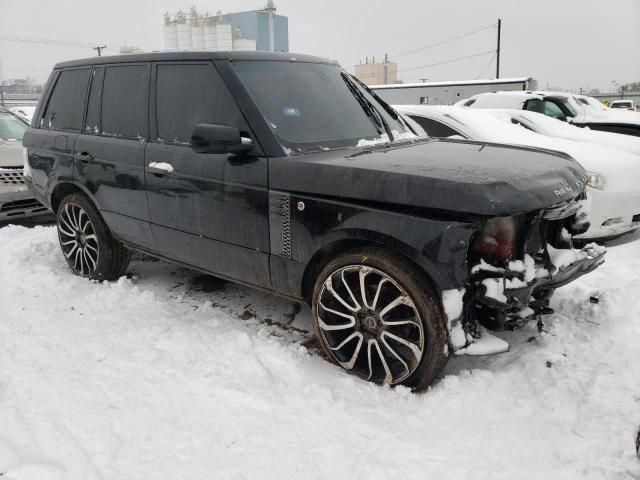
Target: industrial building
(253, 30)
(447, 93)
(384, 73)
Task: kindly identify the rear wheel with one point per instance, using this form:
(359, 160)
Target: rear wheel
(376, 316)
(86, 242)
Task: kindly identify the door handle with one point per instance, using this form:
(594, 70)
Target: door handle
(158, 168)
(84, 157)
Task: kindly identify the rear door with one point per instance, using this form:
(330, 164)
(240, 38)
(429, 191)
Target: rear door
(109, 155)
(52, 142)
(209, 210)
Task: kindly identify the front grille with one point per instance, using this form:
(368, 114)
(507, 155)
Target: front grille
(11, 177)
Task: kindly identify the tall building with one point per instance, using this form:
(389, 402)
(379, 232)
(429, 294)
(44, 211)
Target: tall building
(384, 73)
(252, 30)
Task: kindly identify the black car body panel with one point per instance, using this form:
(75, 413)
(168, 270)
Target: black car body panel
(269, 218)
(432, 174)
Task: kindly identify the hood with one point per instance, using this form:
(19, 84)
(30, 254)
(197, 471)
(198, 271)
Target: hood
(448, 175)
(10, 153)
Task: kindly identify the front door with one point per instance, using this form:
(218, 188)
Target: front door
(206, 210)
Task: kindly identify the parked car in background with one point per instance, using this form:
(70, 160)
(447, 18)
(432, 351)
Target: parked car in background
(25, 112)
(16, 201)
(612, 183)
(562, 107)
(624, 104)
(552, 127)
(223, 162)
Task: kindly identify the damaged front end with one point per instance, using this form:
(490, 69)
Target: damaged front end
(517, 262)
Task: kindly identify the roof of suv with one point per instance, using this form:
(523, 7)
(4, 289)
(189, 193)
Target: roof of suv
(195, 55)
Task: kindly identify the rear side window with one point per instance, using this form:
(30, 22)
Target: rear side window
(94, 105)
(434, 128)
(66, 103)
(124, 101)
(190, 94)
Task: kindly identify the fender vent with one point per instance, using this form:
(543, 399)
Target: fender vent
(286, 226)
(280, 224)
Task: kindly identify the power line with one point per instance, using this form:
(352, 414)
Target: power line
(11, 38)
(447, 61)
(488, 65)
(437, 44)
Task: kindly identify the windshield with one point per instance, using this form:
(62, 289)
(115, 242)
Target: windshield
(11, 128)
(568, 105)
(313, 107)
(621, 105)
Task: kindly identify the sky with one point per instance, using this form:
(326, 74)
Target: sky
(568, 44)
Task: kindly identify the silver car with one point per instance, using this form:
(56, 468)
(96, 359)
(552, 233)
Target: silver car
(16, 201)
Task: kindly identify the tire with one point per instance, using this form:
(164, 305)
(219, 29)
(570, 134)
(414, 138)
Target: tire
(396, 334)
(86, 242)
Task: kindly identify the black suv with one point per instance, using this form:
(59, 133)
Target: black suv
(285, 173)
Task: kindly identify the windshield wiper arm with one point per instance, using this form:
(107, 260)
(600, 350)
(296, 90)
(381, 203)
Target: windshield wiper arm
(377, 119)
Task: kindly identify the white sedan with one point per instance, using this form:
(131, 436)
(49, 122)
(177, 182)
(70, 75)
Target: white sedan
(613, 187)
(552, 127)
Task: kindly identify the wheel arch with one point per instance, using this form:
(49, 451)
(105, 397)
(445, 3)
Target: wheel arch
(64, 189)
(335, 247)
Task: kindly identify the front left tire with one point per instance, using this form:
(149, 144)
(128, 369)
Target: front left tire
(90, 249)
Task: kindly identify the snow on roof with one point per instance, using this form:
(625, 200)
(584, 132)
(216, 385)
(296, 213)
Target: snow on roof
(497, 81)
(512, 99)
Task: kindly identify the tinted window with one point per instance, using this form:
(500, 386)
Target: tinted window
(552, 110)
(535, 105)
(190, 94)
(92, 120)
(66, 104)
(11, 128)
(434, 128)
(124, 101)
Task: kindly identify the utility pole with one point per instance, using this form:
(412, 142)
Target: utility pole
(498, 50)
(386, 76)
(271, 10)
(99, 48)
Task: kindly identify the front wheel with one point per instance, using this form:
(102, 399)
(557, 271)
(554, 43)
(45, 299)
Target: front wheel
(86, 242)
(376, 316)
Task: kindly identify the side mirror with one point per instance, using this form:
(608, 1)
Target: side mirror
(208, 138)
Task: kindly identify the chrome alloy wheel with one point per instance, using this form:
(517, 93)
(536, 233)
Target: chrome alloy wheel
(370, 324)
(78, 239)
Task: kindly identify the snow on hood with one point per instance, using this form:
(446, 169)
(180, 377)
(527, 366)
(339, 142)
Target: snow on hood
(557, 128)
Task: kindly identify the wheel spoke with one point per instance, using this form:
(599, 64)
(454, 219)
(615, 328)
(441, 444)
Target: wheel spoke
(364, 271)
(69, 242)
(344, 282)
(70, 252)
(329, 286)
(411, 346)
(66, 223)
(369, 343)
(388, 378)
(78, 259)
(394, 353)
(400, 322)
(401, 300)
(354, 357)
(377, 295)
(340, 314)
(91, 263)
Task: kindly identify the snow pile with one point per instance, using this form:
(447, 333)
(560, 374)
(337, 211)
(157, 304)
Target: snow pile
(168, 375)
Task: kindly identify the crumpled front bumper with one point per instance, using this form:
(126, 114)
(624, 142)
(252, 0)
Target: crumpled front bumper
(523, 295)
(508, 296)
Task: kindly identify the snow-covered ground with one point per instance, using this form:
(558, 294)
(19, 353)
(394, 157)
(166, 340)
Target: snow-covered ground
(170, 375)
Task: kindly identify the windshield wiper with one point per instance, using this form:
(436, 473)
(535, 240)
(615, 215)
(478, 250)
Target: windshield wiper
(377, 119)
